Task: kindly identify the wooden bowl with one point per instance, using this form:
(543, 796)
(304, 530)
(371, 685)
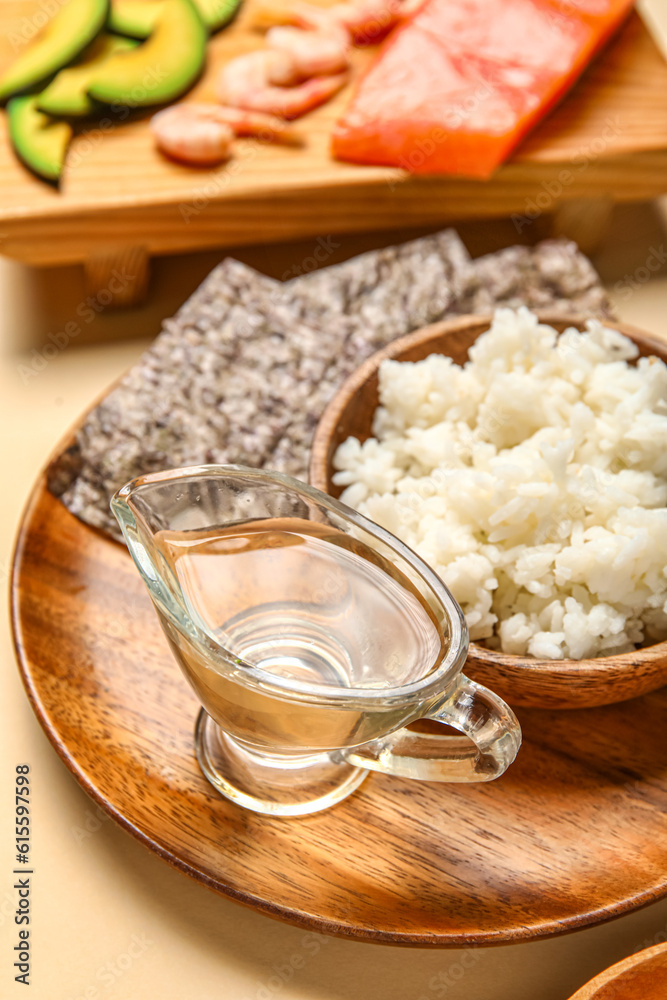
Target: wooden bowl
(521, 680)
(642, 976)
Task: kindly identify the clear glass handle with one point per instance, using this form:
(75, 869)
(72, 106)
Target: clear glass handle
(474, 710)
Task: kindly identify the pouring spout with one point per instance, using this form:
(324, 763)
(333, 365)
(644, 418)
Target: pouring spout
(191, 501)
(147, 509)
(138, 537)
(175, 500)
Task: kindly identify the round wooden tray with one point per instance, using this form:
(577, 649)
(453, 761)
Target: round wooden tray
(640, 977)
(573, 834)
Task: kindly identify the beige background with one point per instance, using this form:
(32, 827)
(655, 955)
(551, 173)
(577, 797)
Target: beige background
(111, 921)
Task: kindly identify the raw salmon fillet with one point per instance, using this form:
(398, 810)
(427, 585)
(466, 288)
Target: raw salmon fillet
(456, 88)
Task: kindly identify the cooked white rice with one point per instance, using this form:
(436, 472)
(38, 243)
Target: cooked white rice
(533, 479)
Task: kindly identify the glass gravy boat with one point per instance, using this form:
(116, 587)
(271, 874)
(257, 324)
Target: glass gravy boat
(311, 636)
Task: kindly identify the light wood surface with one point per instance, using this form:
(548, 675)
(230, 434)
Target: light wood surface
(542, 850)
(639, 977)
(608, 138)
(520, 680)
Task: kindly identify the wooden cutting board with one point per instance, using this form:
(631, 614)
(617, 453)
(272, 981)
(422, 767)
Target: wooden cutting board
(607, 140)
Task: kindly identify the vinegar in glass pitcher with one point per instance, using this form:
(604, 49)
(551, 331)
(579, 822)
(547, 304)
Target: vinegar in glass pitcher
(303, 601)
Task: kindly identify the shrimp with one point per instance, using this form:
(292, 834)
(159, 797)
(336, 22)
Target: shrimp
(314, 52)
(366, 21)
(191, 134)
(201, 134)
(265, 80)
(258, 125)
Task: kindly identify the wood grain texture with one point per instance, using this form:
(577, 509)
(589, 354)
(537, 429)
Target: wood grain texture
(521, 680)
(118, 276)
(573, 834)
(640, 977)
(608, 138)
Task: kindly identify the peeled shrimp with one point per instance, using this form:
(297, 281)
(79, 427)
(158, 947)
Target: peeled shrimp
(201, 134)
(265, 80)
(366, 21)
(192, 134)
(314, 52)
(256, 124)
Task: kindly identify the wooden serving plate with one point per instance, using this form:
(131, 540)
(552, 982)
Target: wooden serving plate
(521, 680)
(543, 850)
(120, 201)
(640, 977)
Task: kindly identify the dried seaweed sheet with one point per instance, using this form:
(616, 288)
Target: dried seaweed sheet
(244, 370)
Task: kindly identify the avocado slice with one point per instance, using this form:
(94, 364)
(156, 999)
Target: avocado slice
(137, 18)
(134, 18)
(39, 141)
(66, 35)
(161, 69)
(67, 93)
(217, 13)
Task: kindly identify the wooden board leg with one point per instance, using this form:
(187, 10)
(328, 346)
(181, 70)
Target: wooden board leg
(118, 277)
(584, 220)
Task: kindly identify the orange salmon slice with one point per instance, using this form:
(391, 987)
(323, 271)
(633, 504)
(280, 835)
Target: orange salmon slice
(456, 88)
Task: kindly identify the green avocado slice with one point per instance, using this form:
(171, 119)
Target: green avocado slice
(134, 18)
(161, 69)
(217, 13)
(66, 35)
(39, 141)
(137, 18)
(67, 93)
